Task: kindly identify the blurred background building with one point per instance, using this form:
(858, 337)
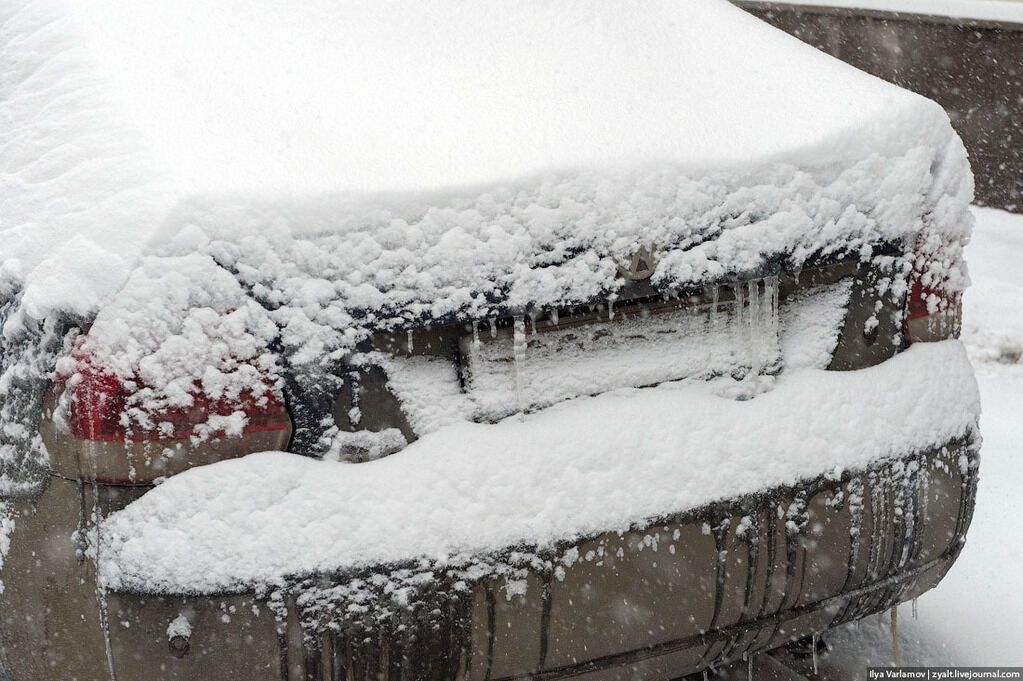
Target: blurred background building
(965, 54)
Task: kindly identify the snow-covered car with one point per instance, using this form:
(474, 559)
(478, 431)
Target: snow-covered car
(465, 340)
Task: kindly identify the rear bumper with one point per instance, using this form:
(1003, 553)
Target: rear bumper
(700, 588)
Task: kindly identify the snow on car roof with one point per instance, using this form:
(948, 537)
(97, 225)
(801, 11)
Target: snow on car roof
(118, 111)
(368, 96)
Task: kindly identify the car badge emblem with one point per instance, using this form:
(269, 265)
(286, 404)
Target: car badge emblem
(640, 266)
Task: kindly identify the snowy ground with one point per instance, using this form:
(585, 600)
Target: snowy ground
(975, 616)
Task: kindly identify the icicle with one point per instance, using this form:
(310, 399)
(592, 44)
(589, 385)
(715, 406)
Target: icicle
(519, 349)
(777, 293)
(475, 336)
(813, 645)
(532, 321)
(740, 301)
(914, 608)
(493, 328)
(714, 294)
(771, 303)
(610, 308)
(554, 316)
(410, 341)
(704, 675)
(753, 288)
(749, 668)
(101, 591)
(895, 634)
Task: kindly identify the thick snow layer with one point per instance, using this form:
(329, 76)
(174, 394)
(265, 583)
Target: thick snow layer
(584, 466)
(124, 119)
(243, 97)
(1010, 11)
(560, 241)
(72, 163)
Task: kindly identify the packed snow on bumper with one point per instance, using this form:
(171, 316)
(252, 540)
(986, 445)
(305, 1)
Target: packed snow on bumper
(581, 467)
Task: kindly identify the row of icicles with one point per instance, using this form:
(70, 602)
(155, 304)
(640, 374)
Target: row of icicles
(815, 643)
(755, 307)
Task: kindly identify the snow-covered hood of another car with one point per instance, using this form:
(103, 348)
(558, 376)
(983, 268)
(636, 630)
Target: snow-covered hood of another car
(582, 467)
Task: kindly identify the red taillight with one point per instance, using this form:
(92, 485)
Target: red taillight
(97, 411)
(921, 299)
(109, 438)
(932, 314)
(95, 407)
